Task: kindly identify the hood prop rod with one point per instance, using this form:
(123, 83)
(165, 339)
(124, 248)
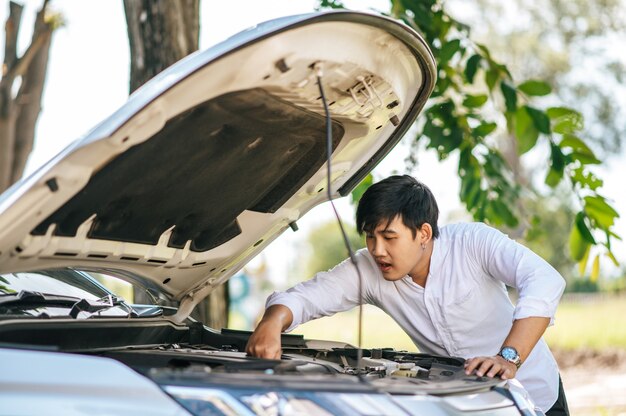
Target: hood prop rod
(319, 73)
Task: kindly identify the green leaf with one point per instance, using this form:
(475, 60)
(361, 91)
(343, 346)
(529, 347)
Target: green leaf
(491, 77)
(535, 87)
(360, 189)
(484, 129)
(583, 229)
(576, 144)
(595, 269)
(471, 67)
(510, 121)
(586, 179)
(610, 255)
(553, 178)
(577, 244)
(435, 133)
(525, 131)
(503, 212)
(442, 85)
(331, 4)
(473, 101)
(540, 119)
(510, 96)
(555, 174)
(597, 208)
(448, 50)
(470, 187)
(584, 158)
(566, 120)
(558, 112)
(566, 126)
(484, 50)
(582, 264)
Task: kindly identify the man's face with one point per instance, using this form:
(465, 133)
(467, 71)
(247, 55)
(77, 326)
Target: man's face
(396, 251)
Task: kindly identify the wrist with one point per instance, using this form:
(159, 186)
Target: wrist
(511, 355)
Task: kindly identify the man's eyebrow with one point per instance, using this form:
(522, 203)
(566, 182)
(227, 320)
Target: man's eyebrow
(388, 231)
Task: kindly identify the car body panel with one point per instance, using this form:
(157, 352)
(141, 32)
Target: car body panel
(44, 382)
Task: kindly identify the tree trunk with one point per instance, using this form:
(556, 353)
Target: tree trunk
(160, 33)
(19, 113)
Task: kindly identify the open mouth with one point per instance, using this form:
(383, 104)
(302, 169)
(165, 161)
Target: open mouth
(385, 267)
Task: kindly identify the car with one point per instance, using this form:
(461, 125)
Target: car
(197, 173)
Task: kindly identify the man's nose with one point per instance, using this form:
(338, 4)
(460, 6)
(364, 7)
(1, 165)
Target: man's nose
(378, 248)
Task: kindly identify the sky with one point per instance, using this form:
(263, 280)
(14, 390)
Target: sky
(88, 80)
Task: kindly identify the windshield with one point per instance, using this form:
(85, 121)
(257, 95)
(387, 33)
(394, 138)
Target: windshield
(55, 282)
(66, 293)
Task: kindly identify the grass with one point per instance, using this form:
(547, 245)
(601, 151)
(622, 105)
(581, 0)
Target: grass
(597, 323)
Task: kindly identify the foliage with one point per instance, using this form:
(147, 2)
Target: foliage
(327, 247)
(566, 40)
(474, 95)
(582, 286)
(358, 192)
(550, 216)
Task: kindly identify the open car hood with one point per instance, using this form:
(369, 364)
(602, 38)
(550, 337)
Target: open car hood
(216, 156)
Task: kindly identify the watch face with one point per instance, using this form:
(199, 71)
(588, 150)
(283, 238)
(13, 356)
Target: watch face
(509, 354)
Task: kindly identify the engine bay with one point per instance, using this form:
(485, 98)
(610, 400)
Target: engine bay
(384, 369)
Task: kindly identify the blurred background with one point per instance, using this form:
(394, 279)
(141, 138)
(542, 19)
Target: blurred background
(573, 45)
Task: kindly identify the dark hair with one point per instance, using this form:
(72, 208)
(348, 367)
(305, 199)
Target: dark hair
(397, 195)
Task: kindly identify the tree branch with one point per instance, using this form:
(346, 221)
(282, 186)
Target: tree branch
(28, 99)
(11, 29)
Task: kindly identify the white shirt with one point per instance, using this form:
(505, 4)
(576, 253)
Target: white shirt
(464, 309)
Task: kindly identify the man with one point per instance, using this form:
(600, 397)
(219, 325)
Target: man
(445, 287)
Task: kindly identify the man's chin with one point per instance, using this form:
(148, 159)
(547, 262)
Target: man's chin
(392, 277)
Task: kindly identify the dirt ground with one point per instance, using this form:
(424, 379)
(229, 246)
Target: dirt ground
(594, 381)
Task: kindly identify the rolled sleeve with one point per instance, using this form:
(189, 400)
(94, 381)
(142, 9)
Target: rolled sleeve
(294, 305)
(325, 294)
(529, 306)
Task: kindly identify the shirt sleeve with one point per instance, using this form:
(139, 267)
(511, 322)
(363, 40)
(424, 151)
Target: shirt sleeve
(538, 284)
(326, 293)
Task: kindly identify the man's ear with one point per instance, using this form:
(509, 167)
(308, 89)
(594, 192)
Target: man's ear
(425, 233)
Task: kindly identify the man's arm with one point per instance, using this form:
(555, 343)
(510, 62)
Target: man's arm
(265, 340)
(326, 294)
(539, 287)
(524, 335)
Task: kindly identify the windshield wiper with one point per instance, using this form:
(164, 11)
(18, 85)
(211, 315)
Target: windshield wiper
(100, 305)
(26, 297)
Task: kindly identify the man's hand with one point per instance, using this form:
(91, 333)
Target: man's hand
(491, 367)
(524, 335)
(265, 340)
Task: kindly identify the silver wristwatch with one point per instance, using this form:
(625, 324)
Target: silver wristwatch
(510, 354)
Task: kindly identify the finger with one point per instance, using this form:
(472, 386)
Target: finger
(472, 363)
(484, 367)
(507, 374)
(494, 370)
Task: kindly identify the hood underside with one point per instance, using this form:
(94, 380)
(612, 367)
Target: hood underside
(247, 150)
(216, 156)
